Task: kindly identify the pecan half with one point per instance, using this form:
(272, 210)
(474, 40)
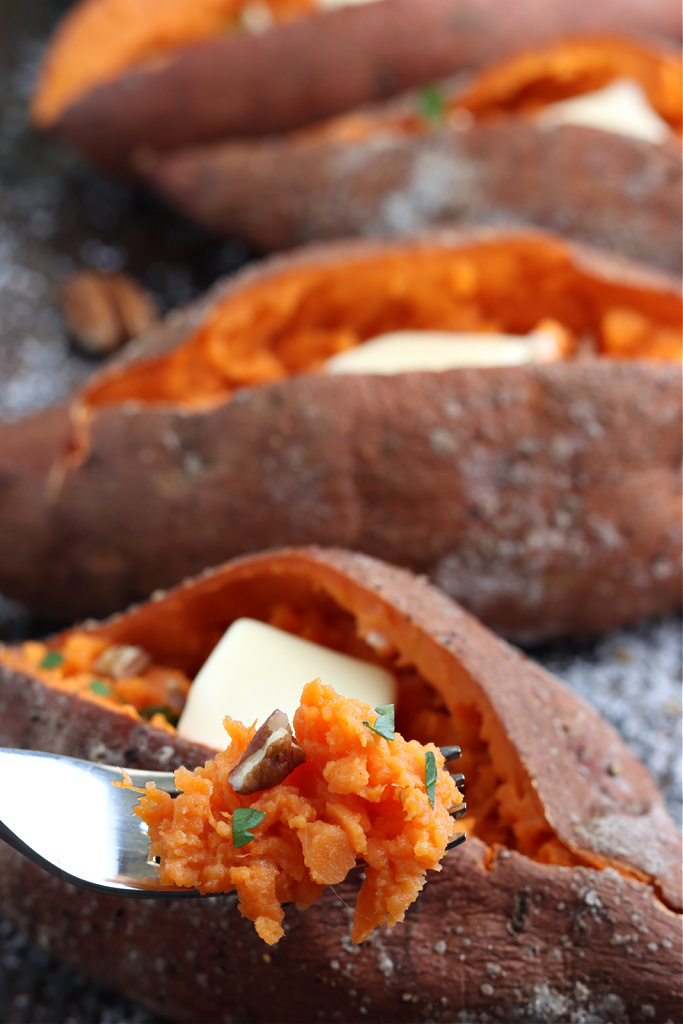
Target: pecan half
(272, 754)
(122, 660)
(103, 311)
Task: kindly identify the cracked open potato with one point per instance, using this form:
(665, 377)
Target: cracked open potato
(563, 903)
(544, 496)
(120, 78)
(501, 146)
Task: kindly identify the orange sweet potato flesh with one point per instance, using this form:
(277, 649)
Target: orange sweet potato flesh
(562, 850)
(571, 67)
(139, 480)
(357, 795)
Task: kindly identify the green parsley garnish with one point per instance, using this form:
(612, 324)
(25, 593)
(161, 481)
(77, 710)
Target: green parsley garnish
(430, 776)
(431, 104)
(159, 709)
(244, 818)
(101, 688)
(384, 724)
(52, 659)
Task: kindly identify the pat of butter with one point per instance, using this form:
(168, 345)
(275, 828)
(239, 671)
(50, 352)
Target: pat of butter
(622, 108)
(406, 351)
(256, 668)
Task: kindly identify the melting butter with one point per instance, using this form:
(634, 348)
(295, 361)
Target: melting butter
(621, 107)
(406, 351)
(256, 668)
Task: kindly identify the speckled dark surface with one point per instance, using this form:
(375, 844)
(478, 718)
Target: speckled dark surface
(57, 215)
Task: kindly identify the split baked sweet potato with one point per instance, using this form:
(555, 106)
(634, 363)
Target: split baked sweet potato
(564, 903)
(545, 497)
(121, 77)
(481, 150)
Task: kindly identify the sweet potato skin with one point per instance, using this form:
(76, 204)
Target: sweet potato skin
(621, 194)
(545, 498)
(159, 496)
(38, 717)
(322, 64)
(524, 936)
(492, 929)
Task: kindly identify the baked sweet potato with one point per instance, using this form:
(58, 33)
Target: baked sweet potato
(462, 152)
(545, 497)
(564, 903)
(120, 77)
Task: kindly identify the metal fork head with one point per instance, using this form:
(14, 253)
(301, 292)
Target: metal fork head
(78, 825)
(65, 815)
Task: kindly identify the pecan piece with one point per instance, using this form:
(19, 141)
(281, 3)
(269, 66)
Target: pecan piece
(122, 660)
(103, 311)
(272, 754)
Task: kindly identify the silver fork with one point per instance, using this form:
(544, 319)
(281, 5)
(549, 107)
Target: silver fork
(65, 815)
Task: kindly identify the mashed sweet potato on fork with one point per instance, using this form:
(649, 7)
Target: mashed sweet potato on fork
(357, 796)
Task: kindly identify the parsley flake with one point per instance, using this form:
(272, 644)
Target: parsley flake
(244, 818)
(430, 776)
(384, 724)
(52, 659)
(159, 709)
(431, 104)
(101, 688)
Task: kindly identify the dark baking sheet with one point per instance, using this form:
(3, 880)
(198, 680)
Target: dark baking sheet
(57, 215)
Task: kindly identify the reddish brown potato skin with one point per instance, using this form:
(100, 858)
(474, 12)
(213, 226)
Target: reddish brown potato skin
(621, 194)
(306, 70)
(493, 929)
(546, 499)
(159, 496)
(523, 936)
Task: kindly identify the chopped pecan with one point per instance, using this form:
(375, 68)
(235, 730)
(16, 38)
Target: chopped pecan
(103, 311)
(272, 754)
(122, 660)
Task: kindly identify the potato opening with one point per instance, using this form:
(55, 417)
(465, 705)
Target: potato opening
(101, 39)
(291, 322)
(573, 67)
(502, 806)
(520, 86)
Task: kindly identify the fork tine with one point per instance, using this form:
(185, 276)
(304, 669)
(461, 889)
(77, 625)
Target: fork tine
(450, 753)
(458, 810)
